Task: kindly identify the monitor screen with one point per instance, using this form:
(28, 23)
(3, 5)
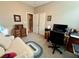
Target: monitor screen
(60, 27)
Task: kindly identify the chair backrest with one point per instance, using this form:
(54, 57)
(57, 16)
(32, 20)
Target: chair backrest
(18, 26)
(56, 37)
(57, 34)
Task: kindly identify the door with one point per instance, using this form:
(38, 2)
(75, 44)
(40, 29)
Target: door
(30, 23)
(42, 23)
(39, 23)
(35, 23)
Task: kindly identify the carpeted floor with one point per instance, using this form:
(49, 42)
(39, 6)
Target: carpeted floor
(47, 52)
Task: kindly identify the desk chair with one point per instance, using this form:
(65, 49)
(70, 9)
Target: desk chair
(57, 36)
(57, 39)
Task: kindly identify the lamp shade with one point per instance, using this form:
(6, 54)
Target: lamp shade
(49, 27)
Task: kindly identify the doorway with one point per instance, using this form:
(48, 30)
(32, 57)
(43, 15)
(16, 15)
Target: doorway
(30, 23)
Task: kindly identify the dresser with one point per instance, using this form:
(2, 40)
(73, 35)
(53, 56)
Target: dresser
(19, 30)
(74, 39)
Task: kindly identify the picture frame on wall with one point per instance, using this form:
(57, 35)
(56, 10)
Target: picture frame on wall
(17, 18)
(49, 18)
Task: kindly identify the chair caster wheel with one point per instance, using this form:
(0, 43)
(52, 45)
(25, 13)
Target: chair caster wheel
(60, 52)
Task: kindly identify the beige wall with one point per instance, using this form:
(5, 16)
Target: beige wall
(62, 13)
(8, 9)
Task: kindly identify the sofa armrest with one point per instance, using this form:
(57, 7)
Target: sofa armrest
(6, 41)
(21, 48)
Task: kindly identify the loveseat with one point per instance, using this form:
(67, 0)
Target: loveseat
(16, 45)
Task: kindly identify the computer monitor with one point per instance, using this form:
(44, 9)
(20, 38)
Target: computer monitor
(60, 27)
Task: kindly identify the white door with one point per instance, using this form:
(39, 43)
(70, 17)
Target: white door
(35, 23)
(42, 17)
(39, 23)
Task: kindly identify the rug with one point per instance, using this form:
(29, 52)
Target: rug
(38, 50)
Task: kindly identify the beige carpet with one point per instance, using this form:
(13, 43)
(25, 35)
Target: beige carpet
(47, 52)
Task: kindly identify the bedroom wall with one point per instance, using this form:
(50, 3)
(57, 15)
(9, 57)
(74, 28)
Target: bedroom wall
(8, 9)
(62, 13)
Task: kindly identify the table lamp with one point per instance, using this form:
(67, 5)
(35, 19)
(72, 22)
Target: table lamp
(48, 27)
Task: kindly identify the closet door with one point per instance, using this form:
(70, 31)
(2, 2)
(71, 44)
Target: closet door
(35, 23)
(42, 18)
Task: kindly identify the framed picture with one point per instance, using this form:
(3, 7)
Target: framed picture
(17, 18)
(49, 18)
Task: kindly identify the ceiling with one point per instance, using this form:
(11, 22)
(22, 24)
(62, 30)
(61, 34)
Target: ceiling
(35, 3)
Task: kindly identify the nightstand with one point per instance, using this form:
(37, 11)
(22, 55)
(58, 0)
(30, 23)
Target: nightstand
(47, 33)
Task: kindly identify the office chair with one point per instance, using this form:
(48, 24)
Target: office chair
(57, 36)
(57, 39)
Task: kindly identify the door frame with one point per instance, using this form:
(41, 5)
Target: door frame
(27, 20)
(30, 23)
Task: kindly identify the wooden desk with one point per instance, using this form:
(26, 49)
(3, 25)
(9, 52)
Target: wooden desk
(72, 40)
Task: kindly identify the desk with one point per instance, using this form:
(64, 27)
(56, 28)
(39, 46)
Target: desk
(72, 40)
